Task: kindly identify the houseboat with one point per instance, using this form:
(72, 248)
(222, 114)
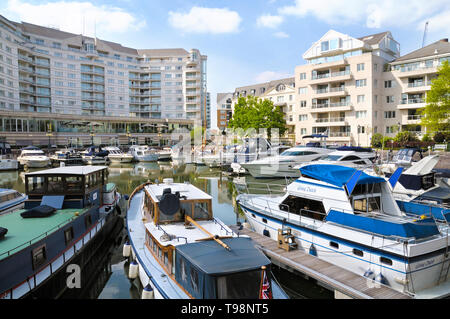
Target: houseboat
(69, 213)
(351, 219)
(180, 251)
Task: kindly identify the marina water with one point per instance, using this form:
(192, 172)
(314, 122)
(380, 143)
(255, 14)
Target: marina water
(111, 281)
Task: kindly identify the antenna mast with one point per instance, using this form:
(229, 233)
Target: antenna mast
(425, 34)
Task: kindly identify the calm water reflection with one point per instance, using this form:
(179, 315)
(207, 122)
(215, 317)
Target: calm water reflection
(113, 282)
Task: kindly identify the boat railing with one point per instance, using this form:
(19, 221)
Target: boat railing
(267, 188)
(171, 236)
(218, 222)
(35, 239)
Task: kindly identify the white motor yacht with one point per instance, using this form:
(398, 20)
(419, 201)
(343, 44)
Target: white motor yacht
(283, 165)
(115, 155)
(33, 157)
(351, 156)
(11, 200)
(165, 154)
(142, 153)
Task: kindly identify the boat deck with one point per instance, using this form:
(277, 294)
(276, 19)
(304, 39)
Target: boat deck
(341, 280)
(26, 231)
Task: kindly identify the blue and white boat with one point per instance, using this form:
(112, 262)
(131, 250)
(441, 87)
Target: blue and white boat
(180, 251)
(351, 219)
(11, 200)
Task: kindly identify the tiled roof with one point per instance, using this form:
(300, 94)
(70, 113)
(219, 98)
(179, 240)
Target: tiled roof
(436, 48)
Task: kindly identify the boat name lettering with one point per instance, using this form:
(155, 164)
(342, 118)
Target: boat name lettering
(306, 189)
(424, 264)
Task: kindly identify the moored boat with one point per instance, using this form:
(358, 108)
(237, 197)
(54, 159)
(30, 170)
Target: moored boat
(11, 200)
(115, 155)
(33, 157)
(95, 155)
(70, 212)
(179, 250)
(352, 220)
(7, 163)
(142, 153)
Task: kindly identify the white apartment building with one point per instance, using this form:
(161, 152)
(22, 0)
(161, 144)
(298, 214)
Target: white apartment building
(340, 89)
(47, 74)
(224, 109)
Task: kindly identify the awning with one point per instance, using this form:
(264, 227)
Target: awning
(338, 175)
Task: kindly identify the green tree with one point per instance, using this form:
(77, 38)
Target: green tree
(437, 110)
(252, 112)
(405, 136)
(377, 140)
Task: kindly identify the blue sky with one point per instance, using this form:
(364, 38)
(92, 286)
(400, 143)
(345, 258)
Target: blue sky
(246, 41)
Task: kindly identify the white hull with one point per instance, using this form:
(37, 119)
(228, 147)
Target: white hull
(95, 161)
(271, 170)
(12, 208)
(30, 163)
(417, 276)
(146, 158)
(121, 159)
(8, 164)
(164, 157)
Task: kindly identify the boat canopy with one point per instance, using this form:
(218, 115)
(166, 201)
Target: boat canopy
(212, 259)
(354, 149)
(315, 135)
(338, 175)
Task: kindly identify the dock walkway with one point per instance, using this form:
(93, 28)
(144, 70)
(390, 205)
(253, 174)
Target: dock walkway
(341, 280)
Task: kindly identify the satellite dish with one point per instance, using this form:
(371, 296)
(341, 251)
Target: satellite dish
(169, 203)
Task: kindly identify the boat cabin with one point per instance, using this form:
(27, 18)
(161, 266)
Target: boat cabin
(204, 257)
(170, 203)
(79, 186)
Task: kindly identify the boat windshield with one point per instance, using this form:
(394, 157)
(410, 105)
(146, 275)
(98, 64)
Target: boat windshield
(332, 158)
(33, 154)
(292, 153)
(244, 285)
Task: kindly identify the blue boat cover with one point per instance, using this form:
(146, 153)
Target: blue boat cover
(338, 175)
(354, 148)
(422, 228)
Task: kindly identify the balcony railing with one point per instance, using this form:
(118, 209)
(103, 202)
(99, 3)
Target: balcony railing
(412, 101)
(339, 134)
(328, 75)
(414, 117)
(418, 84)
(331, 119)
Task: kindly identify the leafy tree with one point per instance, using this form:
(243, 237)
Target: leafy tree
(252, 112)
(437, 110)
(440, 137)
(377, 140)
(404, 137)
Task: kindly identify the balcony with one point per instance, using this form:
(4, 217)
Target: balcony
(417, 86)
(411, 103)
(330, 92)
(327, 107)
(408, 71)
(339, 136)
(331, 77)
(330, 121)
(411, 119)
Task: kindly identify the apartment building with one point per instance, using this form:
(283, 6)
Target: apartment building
(50, 79)
(224, 109)
(208, 110)
(340, 89)
(260, 89)
(406, 84)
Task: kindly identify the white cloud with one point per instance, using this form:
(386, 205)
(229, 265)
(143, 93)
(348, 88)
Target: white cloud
(206, 20)
(267, 76)
(281, 35)
(269, 21)
(69, 16)
(372, 13)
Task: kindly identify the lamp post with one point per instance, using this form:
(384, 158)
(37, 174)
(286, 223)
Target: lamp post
(159, 138)
(49, 134)
(128, 137)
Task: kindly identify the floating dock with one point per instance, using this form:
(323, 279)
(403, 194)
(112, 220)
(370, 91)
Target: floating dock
(345, 284)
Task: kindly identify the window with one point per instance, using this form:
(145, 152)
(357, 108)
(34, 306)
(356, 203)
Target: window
(389, 114)
(302, 76)
(390, 99)
(386, 261)
(302, 90)
(302, 103)
(303, 117)
(39, 256)
(68, 235)
(389, 84)
(360, 98)
(324, 46)
(88, 220)
(360, 114)
(304, 207)
(358, 252)
(361, 83)
(334, 244)
(360, 67)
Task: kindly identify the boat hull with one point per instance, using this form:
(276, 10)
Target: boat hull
(121, 159)
(262, 170)
(35, 163)
(416, 277)
(8, 165)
